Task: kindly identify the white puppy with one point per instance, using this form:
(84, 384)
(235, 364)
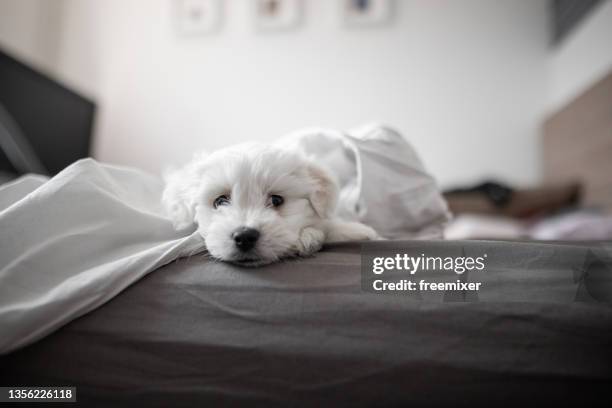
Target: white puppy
(256, 204)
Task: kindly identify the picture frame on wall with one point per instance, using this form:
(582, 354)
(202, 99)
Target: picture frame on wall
(197, 17)
(366, 13)
(274, 15)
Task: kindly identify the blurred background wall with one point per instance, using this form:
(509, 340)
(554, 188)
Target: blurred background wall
(582, 58)
(467, 82)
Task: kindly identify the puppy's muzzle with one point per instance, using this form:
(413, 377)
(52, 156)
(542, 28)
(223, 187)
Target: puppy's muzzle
(245, 238)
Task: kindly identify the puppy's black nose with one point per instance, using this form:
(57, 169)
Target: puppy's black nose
(245, 238)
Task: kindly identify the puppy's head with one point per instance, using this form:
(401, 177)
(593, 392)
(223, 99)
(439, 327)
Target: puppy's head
(250, 202)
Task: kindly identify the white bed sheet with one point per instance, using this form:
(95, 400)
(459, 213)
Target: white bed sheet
(71, 243)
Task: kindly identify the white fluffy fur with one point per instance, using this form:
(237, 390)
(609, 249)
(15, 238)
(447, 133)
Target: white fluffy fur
(249, 174)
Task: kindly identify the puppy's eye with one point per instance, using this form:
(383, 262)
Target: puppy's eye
(276, 200)
(221, 200)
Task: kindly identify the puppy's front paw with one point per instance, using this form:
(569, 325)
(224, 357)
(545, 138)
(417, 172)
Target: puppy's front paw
(311, 240)
(350, 231)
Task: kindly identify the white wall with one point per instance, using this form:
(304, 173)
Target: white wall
(30, 30)
(582, 59)
(465, 81)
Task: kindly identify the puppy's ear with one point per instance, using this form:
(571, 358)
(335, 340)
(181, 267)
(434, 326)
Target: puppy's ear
(179, 197)
(324, 195)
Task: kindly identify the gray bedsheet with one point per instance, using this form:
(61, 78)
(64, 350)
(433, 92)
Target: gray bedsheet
(304, 333)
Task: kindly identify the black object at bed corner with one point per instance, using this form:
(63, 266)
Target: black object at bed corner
(303, 333)
(44, 125)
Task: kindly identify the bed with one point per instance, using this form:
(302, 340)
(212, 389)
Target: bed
(304, 333)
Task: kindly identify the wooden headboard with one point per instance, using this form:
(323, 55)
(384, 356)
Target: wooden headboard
(577, 144)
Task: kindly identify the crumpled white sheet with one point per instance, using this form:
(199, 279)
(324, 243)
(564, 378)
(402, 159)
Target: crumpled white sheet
(383, 183)
(71, 243)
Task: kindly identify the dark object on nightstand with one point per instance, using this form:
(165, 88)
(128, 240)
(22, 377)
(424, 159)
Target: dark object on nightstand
(493, 198)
